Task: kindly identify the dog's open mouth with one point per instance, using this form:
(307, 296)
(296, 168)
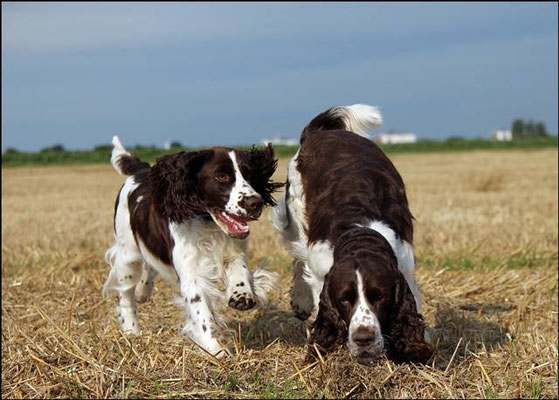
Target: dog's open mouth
(234, 225)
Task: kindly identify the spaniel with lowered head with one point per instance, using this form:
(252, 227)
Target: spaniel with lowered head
(345, 218)
(186, 219)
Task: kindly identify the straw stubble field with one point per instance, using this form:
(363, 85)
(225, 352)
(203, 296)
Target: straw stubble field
(486, 246)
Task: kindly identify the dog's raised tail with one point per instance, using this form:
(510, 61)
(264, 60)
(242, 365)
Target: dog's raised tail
(357, 118)
(124, 162)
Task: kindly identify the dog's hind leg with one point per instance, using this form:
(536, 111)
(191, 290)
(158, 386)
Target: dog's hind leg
(123, 277)
(301, 295)
(128, 274)
(144, 288)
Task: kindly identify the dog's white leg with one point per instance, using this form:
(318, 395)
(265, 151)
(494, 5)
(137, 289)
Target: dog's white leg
(126, 312)
(144, 288)
(198, 294)
(406, 265)
(238, 279)
(201, 325)
(319, 261)
(245, 289)
(315, 283)
(125, 274)
(197, 272)
(301, 295)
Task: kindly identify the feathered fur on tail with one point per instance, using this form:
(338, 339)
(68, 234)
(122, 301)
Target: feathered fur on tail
(358, 118)
(124, 162)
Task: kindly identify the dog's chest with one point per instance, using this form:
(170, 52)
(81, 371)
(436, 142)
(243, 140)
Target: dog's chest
(210, 244)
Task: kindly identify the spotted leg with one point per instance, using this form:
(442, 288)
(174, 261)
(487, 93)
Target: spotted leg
(144, 288)
(198, 294)
(239, 290)
(125, 274)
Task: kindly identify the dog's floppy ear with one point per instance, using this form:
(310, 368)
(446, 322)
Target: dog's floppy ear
(174, 185)
(407, 328)
(329, 329)
(263, 165)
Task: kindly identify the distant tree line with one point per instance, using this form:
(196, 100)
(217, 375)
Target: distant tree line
(521, 128)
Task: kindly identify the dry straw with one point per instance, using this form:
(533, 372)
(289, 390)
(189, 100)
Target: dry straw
(487, 265)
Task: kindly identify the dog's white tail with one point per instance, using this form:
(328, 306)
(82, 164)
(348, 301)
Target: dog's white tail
(358, 118)
(124, 162)
(118, 152)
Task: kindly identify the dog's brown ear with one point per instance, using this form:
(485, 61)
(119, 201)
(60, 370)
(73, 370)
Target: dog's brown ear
(407, 328)
(329, 329)
(263, 165)
(174, 185)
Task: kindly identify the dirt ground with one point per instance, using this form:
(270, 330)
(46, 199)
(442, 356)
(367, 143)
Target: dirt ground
(486, 247)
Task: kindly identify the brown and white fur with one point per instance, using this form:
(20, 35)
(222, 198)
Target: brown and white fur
(185, 218)
(344, 216)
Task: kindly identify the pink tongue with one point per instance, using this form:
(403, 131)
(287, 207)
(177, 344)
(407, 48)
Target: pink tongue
(235, 226)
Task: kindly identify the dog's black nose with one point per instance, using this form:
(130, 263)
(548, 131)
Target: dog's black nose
(364, 337)
(253, 205)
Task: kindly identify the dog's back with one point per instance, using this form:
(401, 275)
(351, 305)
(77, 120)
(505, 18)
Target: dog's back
(347, 176)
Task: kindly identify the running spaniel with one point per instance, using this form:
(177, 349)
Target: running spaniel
(185, 218)
(345, 218)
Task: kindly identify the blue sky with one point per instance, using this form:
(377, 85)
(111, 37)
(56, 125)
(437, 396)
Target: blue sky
(235, 73)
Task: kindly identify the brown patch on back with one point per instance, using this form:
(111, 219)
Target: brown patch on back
(146, 223)
(347, 179)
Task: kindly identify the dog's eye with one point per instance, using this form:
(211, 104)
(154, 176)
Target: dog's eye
(223, 178)
(346, 299)
(374, 295)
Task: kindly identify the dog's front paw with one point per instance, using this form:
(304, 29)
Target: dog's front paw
(242, 301)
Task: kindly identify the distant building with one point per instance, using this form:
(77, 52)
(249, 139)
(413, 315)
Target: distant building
(172, 144)
(278, 140)
(502, 135)
(395, 137)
